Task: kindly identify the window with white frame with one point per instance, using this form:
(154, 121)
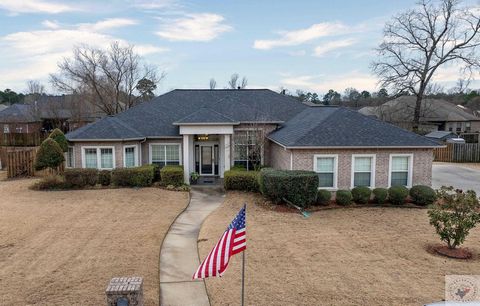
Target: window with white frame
(248, 148)
(363, 170)
(326, 168)
(6, 129)
(99, 157)
(130, 158)
(401, 170)
(70, 158)
(165, 154)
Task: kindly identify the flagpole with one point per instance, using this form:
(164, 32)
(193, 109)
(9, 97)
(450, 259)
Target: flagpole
(243, 277)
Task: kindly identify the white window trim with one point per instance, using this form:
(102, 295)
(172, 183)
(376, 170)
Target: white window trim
(180, 153)
(335, 169)
(99, 159)
(73, 157)
(135, 155)
(372, 169)
(410, 169)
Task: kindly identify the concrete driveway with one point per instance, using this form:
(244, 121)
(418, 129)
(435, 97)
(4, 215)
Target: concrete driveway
(456, 175)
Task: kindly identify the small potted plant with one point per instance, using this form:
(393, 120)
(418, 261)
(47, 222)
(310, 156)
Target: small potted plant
(194, 176)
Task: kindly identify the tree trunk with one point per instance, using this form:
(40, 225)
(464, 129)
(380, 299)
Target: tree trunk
(416, 113)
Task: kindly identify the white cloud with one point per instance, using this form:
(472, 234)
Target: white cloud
(50, 24)
(194, 27)
(330, 46)
(35, 6)
(298, 37)
(35, 54)
(107, 24)
(322, 84)
(153, 4)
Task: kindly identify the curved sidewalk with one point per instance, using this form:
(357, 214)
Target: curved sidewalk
(179, 253)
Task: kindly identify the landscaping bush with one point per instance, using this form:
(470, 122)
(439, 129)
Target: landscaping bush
(398, 194)
(105, 177)
(239, 168)
(80, 178)
(343, 197)
(423, 195)
(296, 186)
(361, 194)
(323, 197)
(134, 177)
(241, 180)
(156, 173)
(172, 175)
(60, 138)
(455, 215)
(50, 182)
(50, 155)
(380, 195)
(261, 185)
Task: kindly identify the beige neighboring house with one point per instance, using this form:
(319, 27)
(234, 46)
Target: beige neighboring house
(210, 131)
(435, 115)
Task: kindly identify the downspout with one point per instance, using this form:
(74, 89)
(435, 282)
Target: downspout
(141, 151)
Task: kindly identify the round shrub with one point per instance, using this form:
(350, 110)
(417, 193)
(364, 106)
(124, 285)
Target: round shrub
(361, 194)
(423, 195)
(50, 155)
(323, 197)
(105, 177)
(398, 194)
(380, 195)
(343, 197)
(241, 180)
(80, 178)
(60, 138)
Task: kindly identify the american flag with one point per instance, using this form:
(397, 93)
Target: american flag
(233, 241)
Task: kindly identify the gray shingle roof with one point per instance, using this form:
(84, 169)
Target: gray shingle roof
(18, 113)
(157, 117)
(106, 128)
(341, 127)
(205, 115)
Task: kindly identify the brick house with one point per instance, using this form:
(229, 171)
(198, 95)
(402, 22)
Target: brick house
(209, 131)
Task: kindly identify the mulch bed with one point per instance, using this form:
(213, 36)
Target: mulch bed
(443, 250)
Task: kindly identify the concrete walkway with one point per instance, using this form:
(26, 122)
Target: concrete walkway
(179, 253)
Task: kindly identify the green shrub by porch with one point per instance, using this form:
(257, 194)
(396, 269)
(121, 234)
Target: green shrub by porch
(323, 197)
(50, 155)
(398, 194)
(80, 178)
(423, 195)
(172, 175)
(380, 195)
(343, 197)
(134, 177)
(241, 180)
(361, 194)
(60, 138)
(105, 177)
(296, 186)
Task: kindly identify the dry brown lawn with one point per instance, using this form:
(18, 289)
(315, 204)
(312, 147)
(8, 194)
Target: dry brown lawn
(62, 248)
(351, 256)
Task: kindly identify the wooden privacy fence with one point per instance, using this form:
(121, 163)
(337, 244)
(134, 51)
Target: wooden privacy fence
(21, 163)
(458, 152)
(22, 139)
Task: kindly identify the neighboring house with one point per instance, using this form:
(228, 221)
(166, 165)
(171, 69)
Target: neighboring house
(209, 131)
(441, 136)
(435, 114)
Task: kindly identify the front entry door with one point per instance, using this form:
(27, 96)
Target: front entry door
(206, 160)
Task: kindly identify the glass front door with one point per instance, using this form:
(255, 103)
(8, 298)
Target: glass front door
(206, 160)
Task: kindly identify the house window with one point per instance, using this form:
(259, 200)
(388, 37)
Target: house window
(19, 129)
(468, 127)
(459, 126)
(70, 159)
(401, 170)
(6, 129)
(326, 167)
(165, 154)
(363, 170)
(130, 158)
(99, 158)
(248, 149)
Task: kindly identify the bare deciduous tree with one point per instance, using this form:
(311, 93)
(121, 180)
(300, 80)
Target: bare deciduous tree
(213, 83)
(419, 41)
(235, 83)
(107, 78)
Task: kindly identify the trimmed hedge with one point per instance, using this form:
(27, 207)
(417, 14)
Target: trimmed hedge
(172, 175)
(241, 180)
(361, 194)
(423, 195)
(50, 182)
(323, 197)
(261, 185)
(343, 197)
(134, 177)
(50, 155)
(380, 195)
(105, 177)
(80, 178)
(398, 194)
(296, 186)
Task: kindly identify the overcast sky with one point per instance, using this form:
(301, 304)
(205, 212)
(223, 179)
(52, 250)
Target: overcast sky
(309, 45)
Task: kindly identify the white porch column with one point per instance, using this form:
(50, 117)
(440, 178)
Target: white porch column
(227, 142)
(186, 159)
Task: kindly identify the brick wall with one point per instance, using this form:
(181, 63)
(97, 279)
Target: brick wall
(303, 160)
